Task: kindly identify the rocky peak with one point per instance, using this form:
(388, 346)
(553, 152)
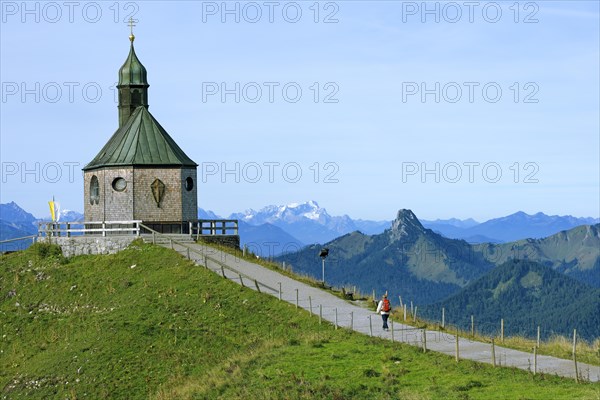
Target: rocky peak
(11, 212)
(406, 224)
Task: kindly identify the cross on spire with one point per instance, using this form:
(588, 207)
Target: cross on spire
(131, 24)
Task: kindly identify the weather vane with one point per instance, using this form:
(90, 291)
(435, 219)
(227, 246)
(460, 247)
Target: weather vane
(131, 24)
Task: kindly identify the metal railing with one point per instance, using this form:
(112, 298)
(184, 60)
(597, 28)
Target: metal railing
(203, 227)
(32, 237)
(10, 245)
(102, 228)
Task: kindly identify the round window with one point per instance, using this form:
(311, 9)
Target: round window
(189, 183)
(94, 190)
(119, 184)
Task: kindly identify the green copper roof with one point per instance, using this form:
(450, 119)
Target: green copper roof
(141, 141)
(133, 72)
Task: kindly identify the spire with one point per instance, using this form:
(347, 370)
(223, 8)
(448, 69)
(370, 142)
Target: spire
(131, 24)
(133, 82)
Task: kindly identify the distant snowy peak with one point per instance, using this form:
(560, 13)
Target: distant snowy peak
(66, 216)
(70, 216)
(306, 221)
(289, 213)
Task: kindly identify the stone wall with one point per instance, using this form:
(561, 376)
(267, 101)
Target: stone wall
(82, 245)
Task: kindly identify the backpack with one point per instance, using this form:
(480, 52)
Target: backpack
(386, 306)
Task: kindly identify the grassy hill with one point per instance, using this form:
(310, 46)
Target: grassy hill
(525, 294)
(146, 323)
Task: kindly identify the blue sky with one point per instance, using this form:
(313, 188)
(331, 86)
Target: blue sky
(377, 106)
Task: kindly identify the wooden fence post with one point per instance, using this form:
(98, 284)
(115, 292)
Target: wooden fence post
(297, 298)
(412, 311)
(404, 312)
(279, 290)
(424, 334)
(493, 353)
(241, 280)
(456, 352)
(575, 354)
(472, 326)
(257, 287)
(443, 318)
(400, 298)
(351, 320)
(310, 304)
(223, 271)
(336, 322)
(415, 314)
(534, 360)
(370, 326)
(538, 336)
(188, 254)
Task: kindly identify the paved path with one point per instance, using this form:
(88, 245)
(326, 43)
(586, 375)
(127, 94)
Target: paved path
(348, 315)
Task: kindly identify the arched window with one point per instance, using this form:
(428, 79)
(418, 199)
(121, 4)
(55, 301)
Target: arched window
(136, 98)
(189, 183)
(94, 190)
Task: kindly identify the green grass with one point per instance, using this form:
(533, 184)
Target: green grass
(146, 323)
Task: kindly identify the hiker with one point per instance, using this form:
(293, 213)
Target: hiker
(384, 307)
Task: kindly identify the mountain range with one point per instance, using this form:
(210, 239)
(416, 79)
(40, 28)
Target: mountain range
(406, 259)
(423, 255)
(507, 229)
(308, 222)
(16, 222)
(274, 228)
(427, 268)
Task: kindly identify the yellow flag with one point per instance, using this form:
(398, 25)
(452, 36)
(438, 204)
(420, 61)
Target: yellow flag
(52, 210)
